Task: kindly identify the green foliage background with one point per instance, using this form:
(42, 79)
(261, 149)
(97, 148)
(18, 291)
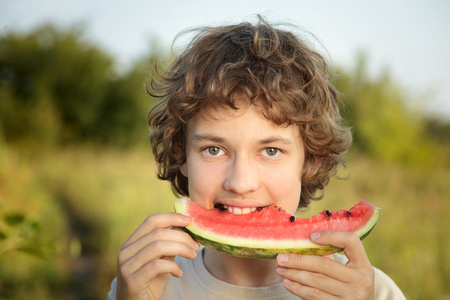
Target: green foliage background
(77, 176)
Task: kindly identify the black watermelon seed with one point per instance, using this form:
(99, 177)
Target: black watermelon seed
(260, 208)
(280, 209)
(292, 219)
(349, 213)
(328, 213)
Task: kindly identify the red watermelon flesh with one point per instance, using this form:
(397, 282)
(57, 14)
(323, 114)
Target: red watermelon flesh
(269, 231)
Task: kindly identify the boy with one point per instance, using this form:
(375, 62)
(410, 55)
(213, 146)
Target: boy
(247, 117)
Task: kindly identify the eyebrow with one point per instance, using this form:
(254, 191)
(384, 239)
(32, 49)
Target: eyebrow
(208, 137)
(276, 139)
(218, 139)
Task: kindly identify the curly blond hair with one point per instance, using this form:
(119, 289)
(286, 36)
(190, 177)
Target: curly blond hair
(275, 71)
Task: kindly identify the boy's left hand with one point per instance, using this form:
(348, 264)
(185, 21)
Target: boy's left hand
(319, 277)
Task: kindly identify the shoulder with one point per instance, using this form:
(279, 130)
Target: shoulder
(385, 287)
(112, 291)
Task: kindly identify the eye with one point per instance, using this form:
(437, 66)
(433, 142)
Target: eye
(271, 152)
(213, 151)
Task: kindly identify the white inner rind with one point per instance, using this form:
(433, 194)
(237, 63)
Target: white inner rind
(181, 207)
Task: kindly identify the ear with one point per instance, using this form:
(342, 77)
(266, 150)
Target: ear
(183, 169)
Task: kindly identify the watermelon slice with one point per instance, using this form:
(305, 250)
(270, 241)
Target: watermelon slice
(268, 231)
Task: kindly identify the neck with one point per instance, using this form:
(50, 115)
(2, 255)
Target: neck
(241, 271)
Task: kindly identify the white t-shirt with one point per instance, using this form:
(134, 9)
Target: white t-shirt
(198, 284)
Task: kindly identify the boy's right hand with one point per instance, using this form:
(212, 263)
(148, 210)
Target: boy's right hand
(146, 259)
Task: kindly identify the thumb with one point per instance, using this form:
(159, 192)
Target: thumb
(348, 241)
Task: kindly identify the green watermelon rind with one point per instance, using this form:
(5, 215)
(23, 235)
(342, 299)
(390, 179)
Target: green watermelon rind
(264, 249)
(259, 253)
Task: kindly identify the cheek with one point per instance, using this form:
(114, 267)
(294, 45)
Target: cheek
(203, 183)
(285, 176)
(289, 190)
(285, 187)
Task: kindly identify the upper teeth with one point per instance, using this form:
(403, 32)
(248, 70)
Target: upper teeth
(238, 210)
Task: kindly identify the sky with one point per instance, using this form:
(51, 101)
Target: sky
(410, 38)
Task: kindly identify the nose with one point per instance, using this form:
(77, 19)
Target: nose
(241, 176)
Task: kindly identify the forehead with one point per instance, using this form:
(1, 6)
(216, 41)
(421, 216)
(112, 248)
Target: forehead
(238, 104)
(223, 112)
(246, 123)
(226, 114)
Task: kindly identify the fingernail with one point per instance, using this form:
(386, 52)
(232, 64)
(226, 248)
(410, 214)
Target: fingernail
(287, 282)
(281, 269)
(282, 258)
(186, 218)
(194, 252)
(316, 235)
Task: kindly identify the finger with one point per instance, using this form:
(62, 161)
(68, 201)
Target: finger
(141, 278)
(329, 256)
(165, 220)
(316, 264)
(158, 267)
(154, 251)
(158, 234)
(326, 275)
(305, 292)
(314, 280)
(350, 242)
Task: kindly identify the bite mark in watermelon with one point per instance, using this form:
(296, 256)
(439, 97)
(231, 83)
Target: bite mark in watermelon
(266, 232)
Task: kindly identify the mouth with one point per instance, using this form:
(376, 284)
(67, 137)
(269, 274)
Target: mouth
(236, 210)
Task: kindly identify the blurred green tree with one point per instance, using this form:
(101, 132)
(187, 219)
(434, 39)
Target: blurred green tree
(385, 125)
(58, 88)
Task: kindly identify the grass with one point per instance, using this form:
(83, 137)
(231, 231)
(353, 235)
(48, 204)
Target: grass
(64, 215)
(410, 242)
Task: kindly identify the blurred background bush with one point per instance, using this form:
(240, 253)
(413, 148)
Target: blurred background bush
(77, 176)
